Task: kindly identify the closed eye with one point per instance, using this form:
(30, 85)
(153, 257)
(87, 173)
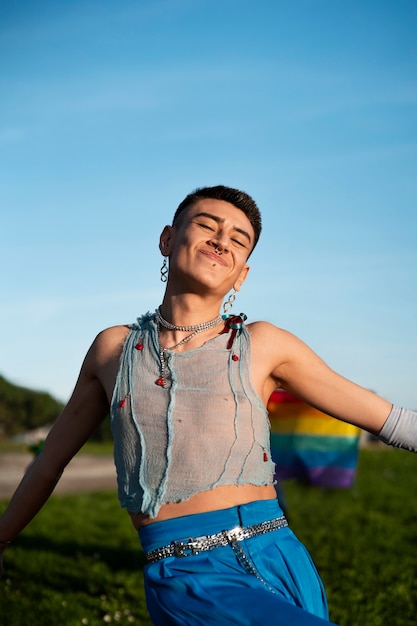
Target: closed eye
(206, 226)
(239, 243)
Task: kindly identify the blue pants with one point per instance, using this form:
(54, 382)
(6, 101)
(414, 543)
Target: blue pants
(213, 587)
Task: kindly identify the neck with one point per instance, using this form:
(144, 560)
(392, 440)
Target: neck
(187, 310)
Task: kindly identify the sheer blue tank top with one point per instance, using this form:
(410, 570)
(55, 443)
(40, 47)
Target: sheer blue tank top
(207, 428)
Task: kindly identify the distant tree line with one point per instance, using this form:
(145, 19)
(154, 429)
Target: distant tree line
(23, 409)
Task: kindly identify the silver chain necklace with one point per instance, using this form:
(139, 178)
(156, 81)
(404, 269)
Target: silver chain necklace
(194, 330)
(197, 327)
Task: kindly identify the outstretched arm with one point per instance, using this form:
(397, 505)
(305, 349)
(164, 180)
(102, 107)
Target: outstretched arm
(299, 370)
(87, 407)
(293, 366)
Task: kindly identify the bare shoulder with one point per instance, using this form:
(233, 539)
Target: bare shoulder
(261, 327)
(277, 346)
(103, 357)
(110, 341)
(265, 335)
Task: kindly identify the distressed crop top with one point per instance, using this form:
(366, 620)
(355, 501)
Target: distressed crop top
(207, 428)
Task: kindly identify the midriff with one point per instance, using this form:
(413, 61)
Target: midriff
(222, 497)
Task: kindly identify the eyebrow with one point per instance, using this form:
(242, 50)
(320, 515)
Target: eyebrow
(221, 219)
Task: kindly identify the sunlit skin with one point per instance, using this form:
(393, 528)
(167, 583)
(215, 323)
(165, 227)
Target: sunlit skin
(199, 277)
(208, 256)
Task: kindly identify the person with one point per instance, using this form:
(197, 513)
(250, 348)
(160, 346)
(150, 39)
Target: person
(187, 389)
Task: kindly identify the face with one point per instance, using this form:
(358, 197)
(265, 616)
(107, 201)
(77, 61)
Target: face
(209, 246)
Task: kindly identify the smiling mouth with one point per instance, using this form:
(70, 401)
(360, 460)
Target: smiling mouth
(214, 257)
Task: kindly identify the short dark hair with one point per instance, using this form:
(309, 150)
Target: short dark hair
(239, 199)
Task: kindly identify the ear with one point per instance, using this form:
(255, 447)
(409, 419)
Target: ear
(165, 240)
(241, 279)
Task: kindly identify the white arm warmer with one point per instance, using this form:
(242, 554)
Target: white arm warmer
(400, 429)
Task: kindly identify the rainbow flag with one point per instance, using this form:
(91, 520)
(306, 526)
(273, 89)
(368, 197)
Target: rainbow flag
(309, 445)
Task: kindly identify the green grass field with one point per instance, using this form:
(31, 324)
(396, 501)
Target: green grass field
(79, 561)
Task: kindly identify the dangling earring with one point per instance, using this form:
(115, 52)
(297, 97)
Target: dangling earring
(164, 270)
(229, 302)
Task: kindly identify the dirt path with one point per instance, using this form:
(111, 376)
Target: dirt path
(85, 473)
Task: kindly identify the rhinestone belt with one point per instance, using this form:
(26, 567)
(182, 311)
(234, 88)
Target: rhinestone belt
(190, 546)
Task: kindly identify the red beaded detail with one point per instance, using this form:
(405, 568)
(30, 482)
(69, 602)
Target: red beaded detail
(159, 382)
(122, 403)
(235, 357)
(235, 324)
(265, 456)
(139, 346)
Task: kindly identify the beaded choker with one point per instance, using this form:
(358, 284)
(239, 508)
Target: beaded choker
(193, 330)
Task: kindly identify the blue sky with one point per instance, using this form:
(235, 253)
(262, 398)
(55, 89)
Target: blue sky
(112, 111)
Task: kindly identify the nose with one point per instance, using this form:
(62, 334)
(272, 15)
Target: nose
(219, 245)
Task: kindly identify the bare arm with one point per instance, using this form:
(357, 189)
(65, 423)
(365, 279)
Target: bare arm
(87, 407)
(292, 365)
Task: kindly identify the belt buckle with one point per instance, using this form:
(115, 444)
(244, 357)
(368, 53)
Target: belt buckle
(186, 547)
(235, 534)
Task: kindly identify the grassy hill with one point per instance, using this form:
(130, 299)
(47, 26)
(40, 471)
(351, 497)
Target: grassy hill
(23, 409)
